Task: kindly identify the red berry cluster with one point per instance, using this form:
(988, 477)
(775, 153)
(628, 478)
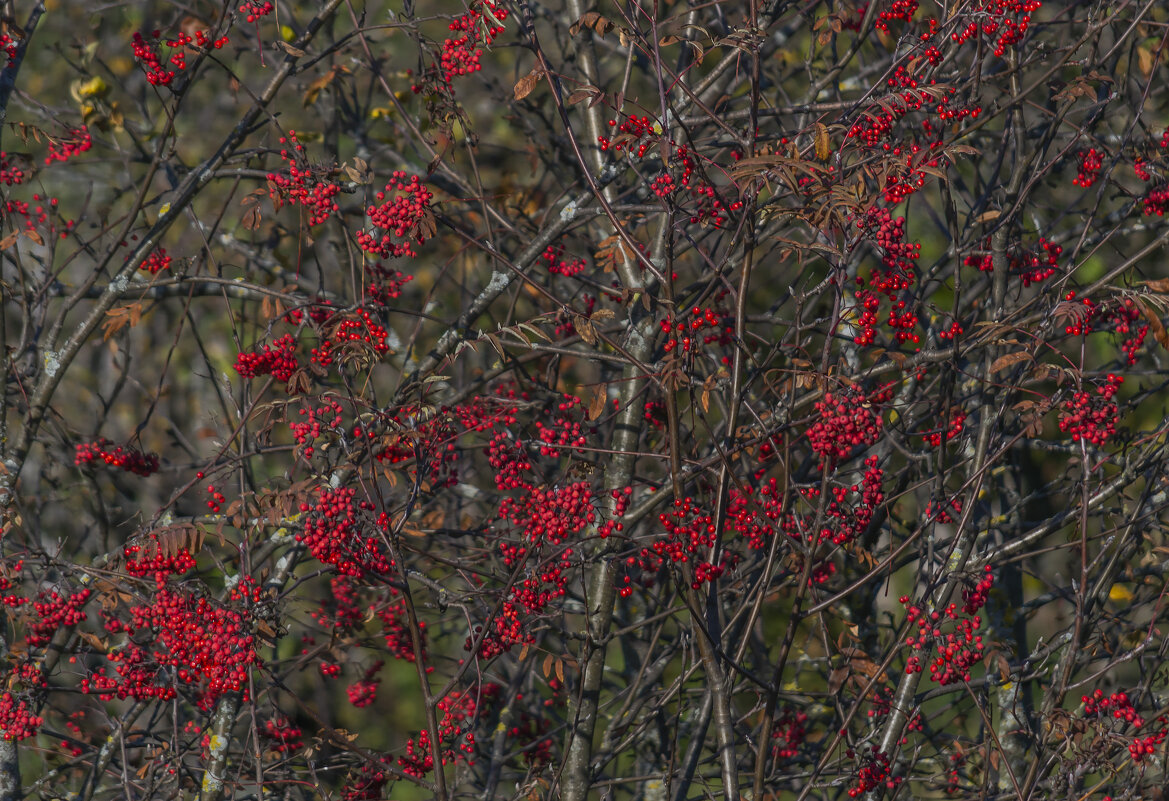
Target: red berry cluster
(875, 770)
(1031, 266)
(461, 55)
(1091, 161)
(303, 185)
(635, 134)
(683, 333)
(147, 54)
(1092, 417)
(206, 645)
(431, 448)
(1006, 21)
(281, 735)
(395, 631)
(944, 510)
(566, 431)
(754, 513)
(129, 459)
(1142, 747)
(403, 208)
(455, 737)
(508, 630)
(846, 421)
(363, 692)
(350, 334)
(277, 360)
(319, 312)
(77, 141)
(895, 276)
(217, 499)
(959, 649)
(336, 534)
(17, 722)
(559, 266)
(383, 284)
(54, 611)
(1157, 201)
(308, 431)
(898, 10)
(1117, 706)
(957, 421)
(1124, 316)
(368, 784)
(788, 733)
(613, 525)
(156, 261)
(253, 11)
(11, 173)
(141, 561)
(690, 532)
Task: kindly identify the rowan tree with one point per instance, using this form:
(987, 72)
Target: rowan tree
(542, 400)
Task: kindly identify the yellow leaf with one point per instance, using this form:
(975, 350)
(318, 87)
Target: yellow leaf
(1120, 593)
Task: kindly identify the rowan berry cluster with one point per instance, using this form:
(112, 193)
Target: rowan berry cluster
(876, 770)
(217, 499)
(613, 525)
(336, 534)
(953, 429)
(363, 692)
(156, 261)
(77, 141)
(479, 26)
(1004, 21)
(303, 185)
(456, 740)
(281, 736)
(634, 134)
(17, 721)
(846, 421)
(253, 11)
(54, 611)
(1125, 316)
(395, 631)
(788, 733)
(896, 275)
(351, 334)
(148, 56)
(960, 648)
(399, 218)
(559, 266)
(1157, 201)
(1091, 161)
(1032, 266)
(690, 533)
(11, 173)
(125, 458)
(683, 333)
(309, 430)
(383, 284)
(277, 360)
(1092, 416)
(566, 431)
(1116, 705)
(178, 638)
(141, 561)
(902, 10)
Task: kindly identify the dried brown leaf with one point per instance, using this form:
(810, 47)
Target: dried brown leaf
(526, 84)
(1009, 360)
